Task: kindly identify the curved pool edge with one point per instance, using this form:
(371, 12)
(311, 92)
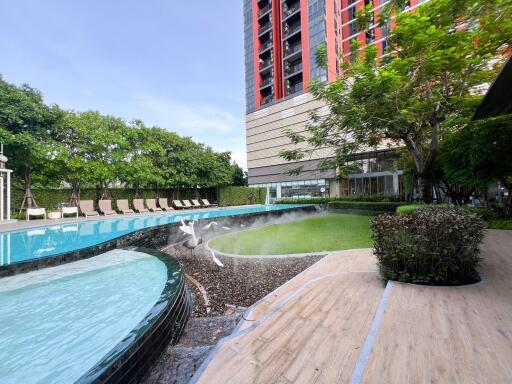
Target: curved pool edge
(130, 359)
(150, 237)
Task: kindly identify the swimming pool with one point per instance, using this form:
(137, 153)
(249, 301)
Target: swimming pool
(41, 242)
(85, 320)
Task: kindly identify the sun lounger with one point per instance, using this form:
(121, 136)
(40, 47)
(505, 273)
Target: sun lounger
(36, 212)
(163, 204)
(138, 206)
(178, 205)
(187, 204)
(206, 203)
(122, 205)
(196, 203)
(105, 207)
(68, 211)
(151, 204)
(87, 208)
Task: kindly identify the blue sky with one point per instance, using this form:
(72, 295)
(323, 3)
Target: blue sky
(175, 64)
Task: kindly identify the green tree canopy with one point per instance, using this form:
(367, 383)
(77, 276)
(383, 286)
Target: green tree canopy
(439, 54)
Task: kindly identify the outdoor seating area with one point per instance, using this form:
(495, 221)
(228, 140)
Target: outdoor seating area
(122, 207)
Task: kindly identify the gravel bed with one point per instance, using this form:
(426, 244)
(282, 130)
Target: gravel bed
(241, 282)
(230, 290)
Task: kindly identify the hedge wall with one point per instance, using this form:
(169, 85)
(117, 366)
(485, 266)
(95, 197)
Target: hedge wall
(326, 200)
(51, 198)
(229, 196)
(365, 207)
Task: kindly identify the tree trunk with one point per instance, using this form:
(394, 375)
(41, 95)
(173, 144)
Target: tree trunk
(103, 191)
(136, 194)
(157, 191)
(425, 188)
(508, 203)
(28, 198)
(75, 194)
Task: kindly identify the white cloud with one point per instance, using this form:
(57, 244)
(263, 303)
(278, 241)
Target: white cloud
(189, 119)
(207, 124)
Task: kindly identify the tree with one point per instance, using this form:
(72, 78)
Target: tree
(25, 123)
(139, 167)
(239, 176)
(475, 156)
(438, 55)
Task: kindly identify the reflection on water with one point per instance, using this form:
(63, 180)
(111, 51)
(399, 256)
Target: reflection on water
(40, 242)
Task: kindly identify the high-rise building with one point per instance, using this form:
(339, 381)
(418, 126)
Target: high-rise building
(281, 38)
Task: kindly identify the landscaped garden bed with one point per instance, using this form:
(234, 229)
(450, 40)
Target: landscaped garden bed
(429, 245)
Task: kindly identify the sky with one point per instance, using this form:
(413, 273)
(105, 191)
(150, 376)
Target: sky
(171, 63)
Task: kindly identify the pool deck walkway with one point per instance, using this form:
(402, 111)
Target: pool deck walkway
(337, 323)
(18, 225)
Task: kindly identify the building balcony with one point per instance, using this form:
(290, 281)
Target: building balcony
(293, 70)
(266, 9)
(266, 46)
(290, 30)
(269, 81)
(293, 51)
(265, 28)
(267, 99)
(288, 13)
(294, 88)
(266, 66)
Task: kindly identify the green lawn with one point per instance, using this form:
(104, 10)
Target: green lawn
(319, 233)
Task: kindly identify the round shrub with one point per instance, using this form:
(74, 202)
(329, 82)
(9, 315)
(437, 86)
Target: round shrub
(433, 246)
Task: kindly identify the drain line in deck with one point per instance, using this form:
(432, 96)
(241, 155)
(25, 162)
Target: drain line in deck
(358, 373)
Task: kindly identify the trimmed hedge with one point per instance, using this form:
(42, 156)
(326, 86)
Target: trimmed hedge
(433, 246)
(51, 198)
(229, 196)
(371, 207)
(406, 209)
(326, 200)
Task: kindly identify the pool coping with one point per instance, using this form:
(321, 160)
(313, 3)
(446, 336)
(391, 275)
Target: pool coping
(126, 240)
(129, 360)
(21, 225)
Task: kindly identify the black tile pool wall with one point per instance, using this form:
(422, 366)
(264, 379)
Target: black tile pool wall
(130, 360)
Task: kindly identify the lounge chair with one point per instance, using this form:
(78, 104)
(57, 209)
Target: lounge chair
(163, 204)
(138, 206)
(178, 205)
(206, 203)
(105, 207)
(36, 212)
(122, 205)
(151, 204)
(87, 208)
(187, 204)
(196, 203)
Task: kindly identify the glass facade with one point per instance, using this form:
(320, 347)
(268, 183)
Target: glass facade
(382, 185)
(250, 100)
(372, 162)
(296, 189)
(317, 36)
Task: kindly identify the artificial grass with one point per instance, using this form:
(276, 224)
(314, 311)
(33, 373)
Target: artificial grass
(314, 234)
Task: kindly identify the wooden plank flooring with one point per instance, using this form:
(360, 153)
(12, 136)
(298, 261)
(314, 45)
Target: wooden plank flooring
(308, 331)
(312, 329)
(450, 335)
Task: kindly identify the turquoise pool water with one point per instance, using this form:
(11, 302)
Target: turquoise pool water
(19, 246)
(58, 323)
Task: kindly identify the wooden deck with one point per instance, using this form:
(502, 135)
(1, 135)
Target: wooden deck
(335, 323)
